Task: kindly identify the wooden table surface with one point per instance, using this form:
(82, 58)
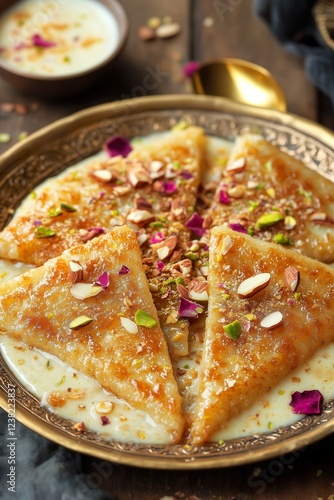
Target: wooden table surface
(210, 29)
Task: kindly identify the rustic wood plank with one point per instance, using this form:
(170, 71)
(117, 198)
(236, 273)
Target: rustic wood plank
(238, 32)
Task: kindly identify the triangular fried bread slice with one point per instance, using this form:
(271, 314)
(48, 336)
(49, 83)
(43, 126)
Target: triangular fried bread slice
(91, 199)
(276, 198)
(128, 358)
(237, 370)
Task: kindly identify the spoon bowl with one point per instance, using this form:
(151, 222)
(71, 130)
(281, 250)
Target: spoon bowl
(240, 81)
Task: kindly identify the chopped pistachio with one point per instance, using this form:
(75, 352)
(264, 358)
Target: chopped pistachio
(191, 256)
(61, 381)
(281, 239)
(67, 208)
(157, 224)
(253, 205)
(4, 137)
(297, 295)
(44, 232)
(79, 322)
(268, 165)
(142, 318)
(268, 220)
(180, 126)
(233, 330)
(270, 425)
(289, 222)
(251, 231)
(271, 192)
(54, 212)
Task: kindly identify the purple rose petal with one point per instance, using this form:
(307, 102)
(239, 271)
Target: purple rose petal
(223, 197)
(195, 224)
(103, 280)
(189, 309)
(38, 41)
(157, 238)
(123, 270)
(239, 228)
(118, 145)
(307, 402)
(169, 187)
(190, 68)
(105, 420)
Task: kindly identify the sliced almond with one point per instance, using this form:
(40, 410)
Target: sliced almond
(104, 407)
(76, 273)
(292, 276)
(83, 291)
(227, 244)
(129, 325)
(237, 191)
(139, 177)
(272, 320)
(102, 175)
(165, 248)
(121, 190)
(140, 217)
(253, 285)
(236, 166)
(201, 296)
(322, 219)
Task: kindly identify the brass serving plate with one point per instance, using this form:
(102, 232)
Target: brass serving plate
(69, 140)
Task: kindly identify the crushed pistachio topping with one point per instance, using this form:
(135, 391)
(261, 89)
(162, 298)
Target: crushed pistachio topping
(233, 330)
(80, 322)
(281, 239)
(142, 318)
(268, 220)
(44, 232)
(67, 208)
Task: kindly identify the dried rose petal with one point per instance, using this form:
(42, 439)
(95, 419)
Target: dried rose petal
(169, 187)
(103, 280)
(239, 228)
(118, 145)
(92, 232)
(105, 420)
(38, 41)
(195, 224)
(307, 402)
(189, 309)
(123, 270)
(160, 265)
(186, 175)
(157, 237)
(223, 197)
(37, 222)
(190, 68)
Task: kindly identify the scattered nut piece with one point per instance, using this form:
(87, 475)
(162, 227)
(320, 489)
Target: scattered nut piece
(146, 33)
(272, 320)
(76, 273)
(129, 325)
(236, 166)
(102, 175)
(292, 276)
(253, 285)
(104, 407)
(168, 30)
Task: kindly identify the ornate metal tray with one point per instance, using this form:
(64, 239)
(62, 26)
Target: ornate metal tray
(67, 141)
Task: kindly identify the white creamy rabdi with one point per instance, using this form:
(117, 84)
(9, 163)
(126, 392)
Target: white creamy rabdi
(57, 37)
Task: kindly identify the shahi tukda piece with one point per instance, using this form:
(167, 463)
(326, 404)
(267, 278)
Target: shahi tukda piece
(269, 311)
(275, 197)
(134, 188)
(91, 308)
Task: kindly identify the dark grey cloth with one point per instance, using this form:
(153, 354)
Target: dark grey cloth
(293, 24)
(44, 470)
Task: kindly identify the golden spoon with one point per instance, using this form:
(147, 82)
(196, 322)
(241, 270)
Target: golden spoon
(239, 80)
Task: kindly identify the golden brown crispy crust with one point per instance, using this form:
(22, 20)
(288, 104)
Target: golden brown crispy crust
(37, 308)
(234, 373)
